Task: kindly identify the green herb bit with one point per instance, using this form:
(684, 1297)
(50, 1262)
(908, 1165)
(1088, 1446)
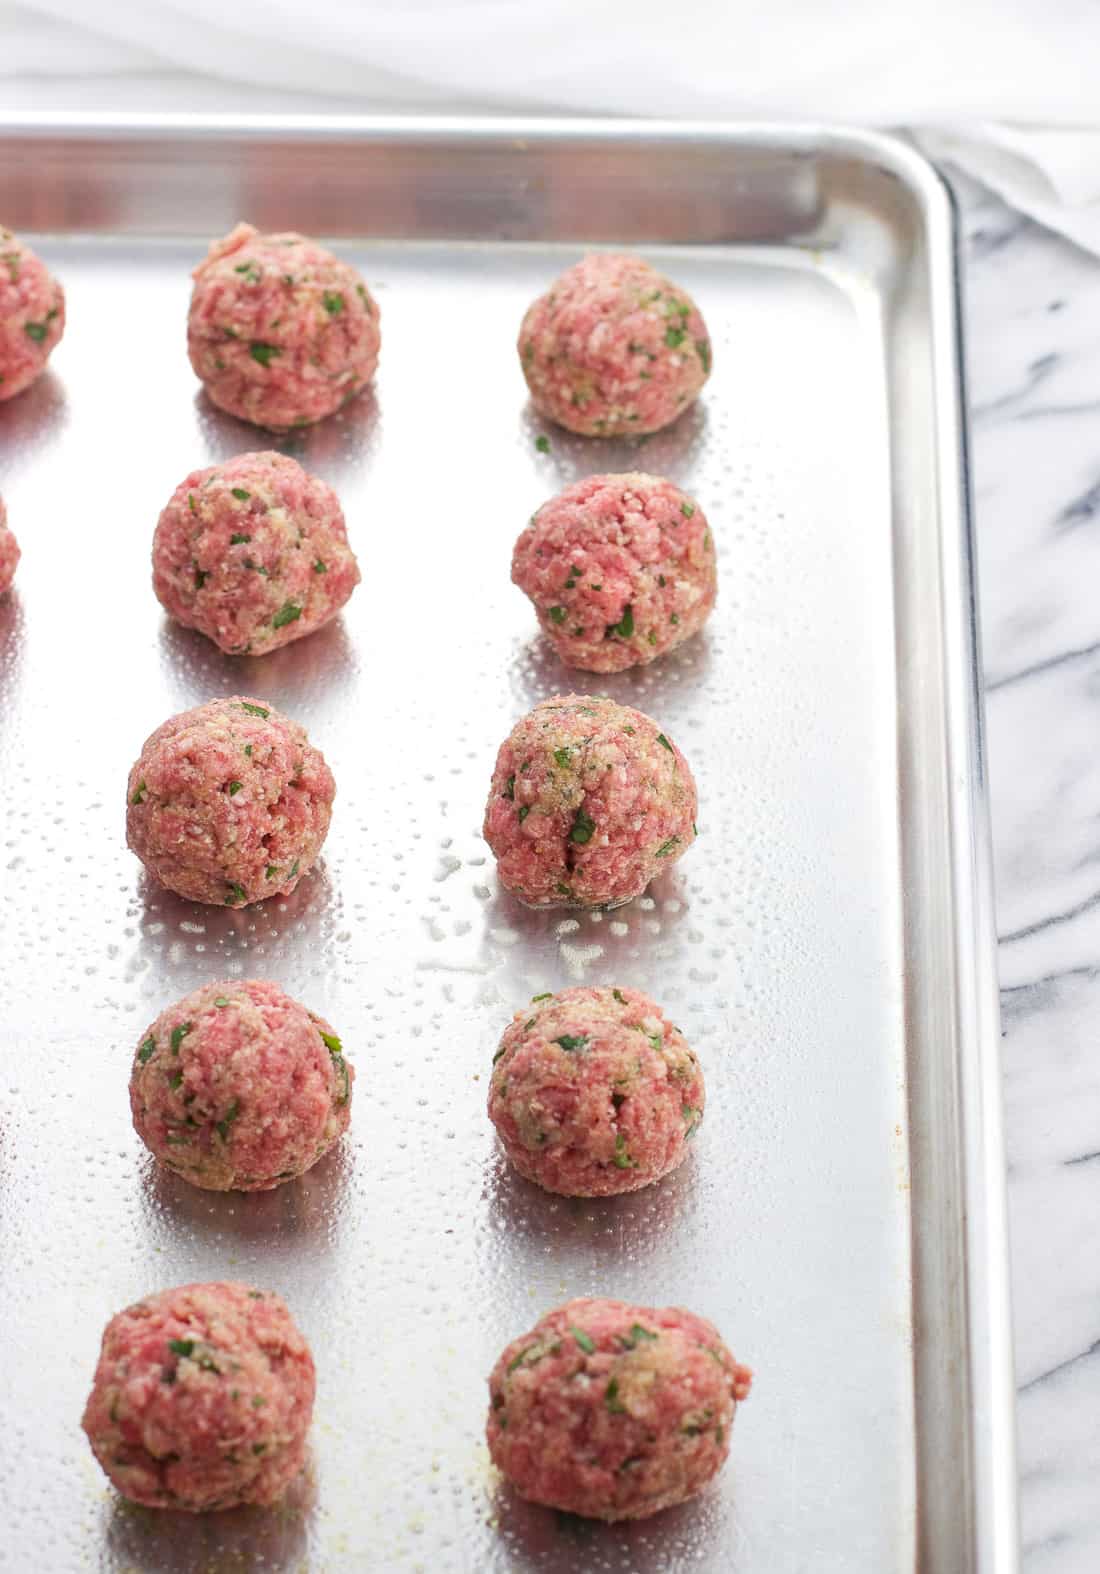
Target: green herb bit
(248, 750)
(250, 271)
(651, 637)
(611, 1398)
(563, 756)
(661, 580)
(525, 810)
(674, 617)
(147, 1050)
(333, 302)
(271, 871)
(706, 542)
(240, 494)
(223, 1125)
(140, 792)
(320, 568)
(363, 296)
(661, 739)
(294, 868)
(255, 710)
(562, 889)
(636, 1335)
(666, 847)
(331, 1043)
(236, 894)
(582, 828)
(674, 337)
(587, 1345)
(510, 788)
(501, 1051)
(182, 1347)
(200, 578)
(263, 353)
(619, 996)
(546, 996)
(556, 614)
(289, 612)
(36, 331)
(175, 1079)
(238, 539)
(191, 502)
(702, 350)
(621, 1158)
(221, 1002)
(570, 1044)
(687, 509)
(625, 627)
(693, 1117)
(542, 443)
(179, 1033)
(629, 731)
(259, 1448)
(234, 788)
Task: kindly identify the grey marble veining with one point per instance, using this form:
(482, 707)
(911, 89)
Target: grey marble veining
(1033, 322)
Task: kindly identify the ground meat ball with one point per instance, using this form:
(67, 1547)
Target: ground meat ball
(614, 1411)
(280, 331)
(593, 1092)
(253, 553)
(9, 551)
(237, 1087)
(202, 1398)
(32, 315)
(614, 348)
(229, 803)
(589, 801)
(620, 569)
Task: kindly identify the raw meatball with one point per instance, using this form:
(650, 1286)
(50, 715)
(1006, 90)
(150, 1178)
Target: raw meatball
(280, 331)
(32, 315)
(9, 551)
(589, 801)
(620, 569)
(202, 1398)
(238, 1087)
(229, 803)
(614, 1411)
(593, 1092)
(614, 348)
(253, 553)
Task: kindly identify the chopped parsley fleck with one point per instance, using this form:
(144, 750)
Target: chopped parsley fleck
(294, 868)
(250, 271)
(140, 792)
(664, 741)
(255, 710)
(148, 1049)
(179, 1033)
(674, 337)
(651, 637)
(510, 788)
(706, 542)
(240, 494)
(542, 443)
(181, 1346)
(200, 578)
(175, 1079)
(234, 788)
(238, 539)
(629, 731)
(636, 1335)
(271, 871)
(674, 617)
(619, 996)
(287, 613)
(582, 828)
(621, 1158)
(501, 1051)
(248, 750)
(223, 1125)
(333, 302)
(263, 353)
(259, 1448)
(570, 1044)
(320, 568)
(191, 502)
(556, 614)
(687, 509)
(612, 1400)
(563, 756)
(236, 894)
(546, 996)
(331, 1043)
(525, 810)
(587, 1345)
(702, 350)
(661, 580)
(693, 1117)
(625, 627)
(221, 1002)
(562, 889)
(666, 847)
(36, 331)
(595, 587)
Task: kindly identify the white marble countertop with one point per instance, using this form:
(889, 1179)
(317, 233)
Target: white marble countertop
(1033, 352)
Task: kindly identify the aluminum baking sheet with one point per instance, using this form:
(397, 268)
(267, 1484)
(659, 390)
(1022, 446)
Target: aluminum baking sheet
(826, 946)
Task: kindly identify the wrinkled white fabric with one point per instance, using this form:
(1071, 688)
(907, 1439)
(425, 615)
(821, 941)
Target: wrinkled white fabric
(1004, 88)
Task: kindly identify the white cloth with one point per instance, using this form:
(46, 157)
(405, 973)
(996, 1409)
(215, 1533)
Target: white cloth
(1007, 89)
